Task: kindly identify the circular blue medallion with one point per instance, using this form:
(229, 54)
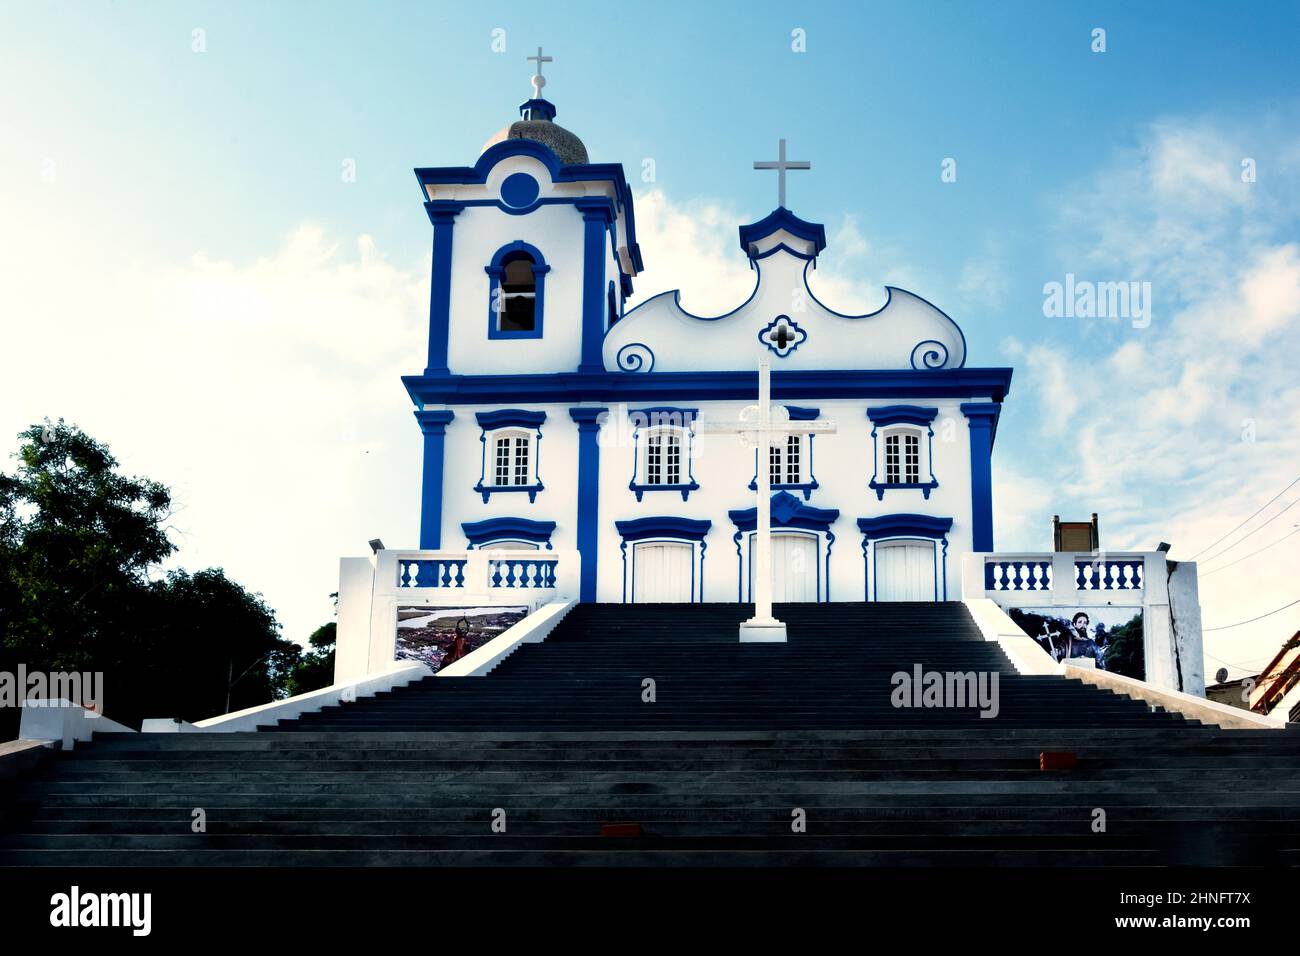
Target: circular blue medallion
(519, 190)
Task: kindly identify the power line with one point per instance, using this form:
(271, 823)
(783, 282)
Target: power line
(1253, 619)
(1247, 521)
(1253, 531)
(1230, 664)
(1206, 574)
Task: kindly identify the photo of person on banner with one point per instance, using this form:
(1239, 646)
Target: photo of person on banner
(1110, 637)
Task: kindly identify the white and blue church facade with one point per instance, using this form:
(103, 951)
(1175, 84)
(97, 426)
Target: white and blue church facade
(556, 418)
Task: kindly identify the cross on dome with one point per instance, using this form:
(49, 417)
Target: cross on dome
(538, 80)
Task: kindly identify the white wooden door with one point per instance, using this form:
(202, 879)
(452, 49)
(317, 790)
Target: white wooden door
(794, 567)
(904, 571)
(661, 572)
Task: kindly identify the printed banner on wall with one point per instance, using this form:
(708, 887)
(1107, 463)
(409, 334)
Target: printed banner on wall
(437, 636)
(1110, 636)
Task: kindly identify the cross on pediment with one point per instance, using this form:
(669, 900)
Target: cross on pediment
(781, 164)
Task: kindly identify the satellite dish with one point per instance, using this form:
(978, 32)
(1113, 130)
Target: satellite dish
(1221, 675)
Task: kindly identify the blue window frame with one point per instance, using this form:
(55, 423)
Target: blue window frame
(902, 449)
(791, 464)
(661, 450)
(511, 442)
(516, 281)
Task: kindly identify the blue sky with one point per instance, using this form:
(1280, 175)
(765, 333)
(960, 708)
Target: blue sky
(186, 272)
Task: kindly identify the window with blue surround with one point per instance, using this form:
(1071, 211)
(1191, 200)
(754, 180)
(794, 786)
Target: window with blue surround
(516, 278)
(661, 450)
(801, 549)
(511, 441)
(902, 449)
(663, 559)
(926, 536)
(790, 462)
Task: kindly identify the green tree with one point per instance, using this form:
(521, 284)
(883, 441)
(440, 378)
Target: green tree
(78, 543)
(315, 668)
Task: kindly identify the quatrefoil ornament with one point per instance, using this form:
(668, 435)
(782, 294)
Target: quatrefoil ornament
(782, 335)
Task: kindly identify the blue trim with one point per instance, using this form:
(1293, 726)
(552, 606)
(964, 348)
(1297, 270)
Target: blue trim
(433, 423)
(658, 413)
(442, 215)
(511, 418)
(519, 190)
(778, 219)
(787, 512)
(482, 168)
(982, 418)
(925, 487)
(899, 414)
(889, 290)
(664, 416)
(479, 533)
(708, 386)
(798, 414)
(598, 215)
(589, 421)
(889, 416)
(537, 109)
(495, 270)
(664, 526)
(782, 247)
(902, 527)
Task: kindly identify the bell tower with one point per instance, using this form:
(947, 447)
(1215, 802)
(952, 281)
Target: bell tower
(534, 251)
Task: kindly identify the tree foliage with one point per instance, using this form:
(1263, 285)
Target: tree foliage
(80, 590)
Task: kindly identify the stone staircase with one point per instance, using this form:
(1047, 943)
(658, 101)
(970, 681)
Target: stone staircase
(740, 741)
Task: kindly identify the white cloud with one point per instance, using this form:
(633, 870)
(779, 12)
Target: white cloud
(265, 394)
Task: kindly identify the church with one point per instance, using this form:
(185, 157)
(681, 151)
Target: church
(556, 418)
(554, 676)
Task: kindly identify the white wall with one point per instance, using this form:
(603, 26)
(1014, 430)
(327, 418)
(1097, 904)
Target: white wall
(841, 463)
(557, 232)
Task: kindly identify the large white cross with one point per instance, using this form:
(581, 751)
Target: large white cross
(761, 426)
